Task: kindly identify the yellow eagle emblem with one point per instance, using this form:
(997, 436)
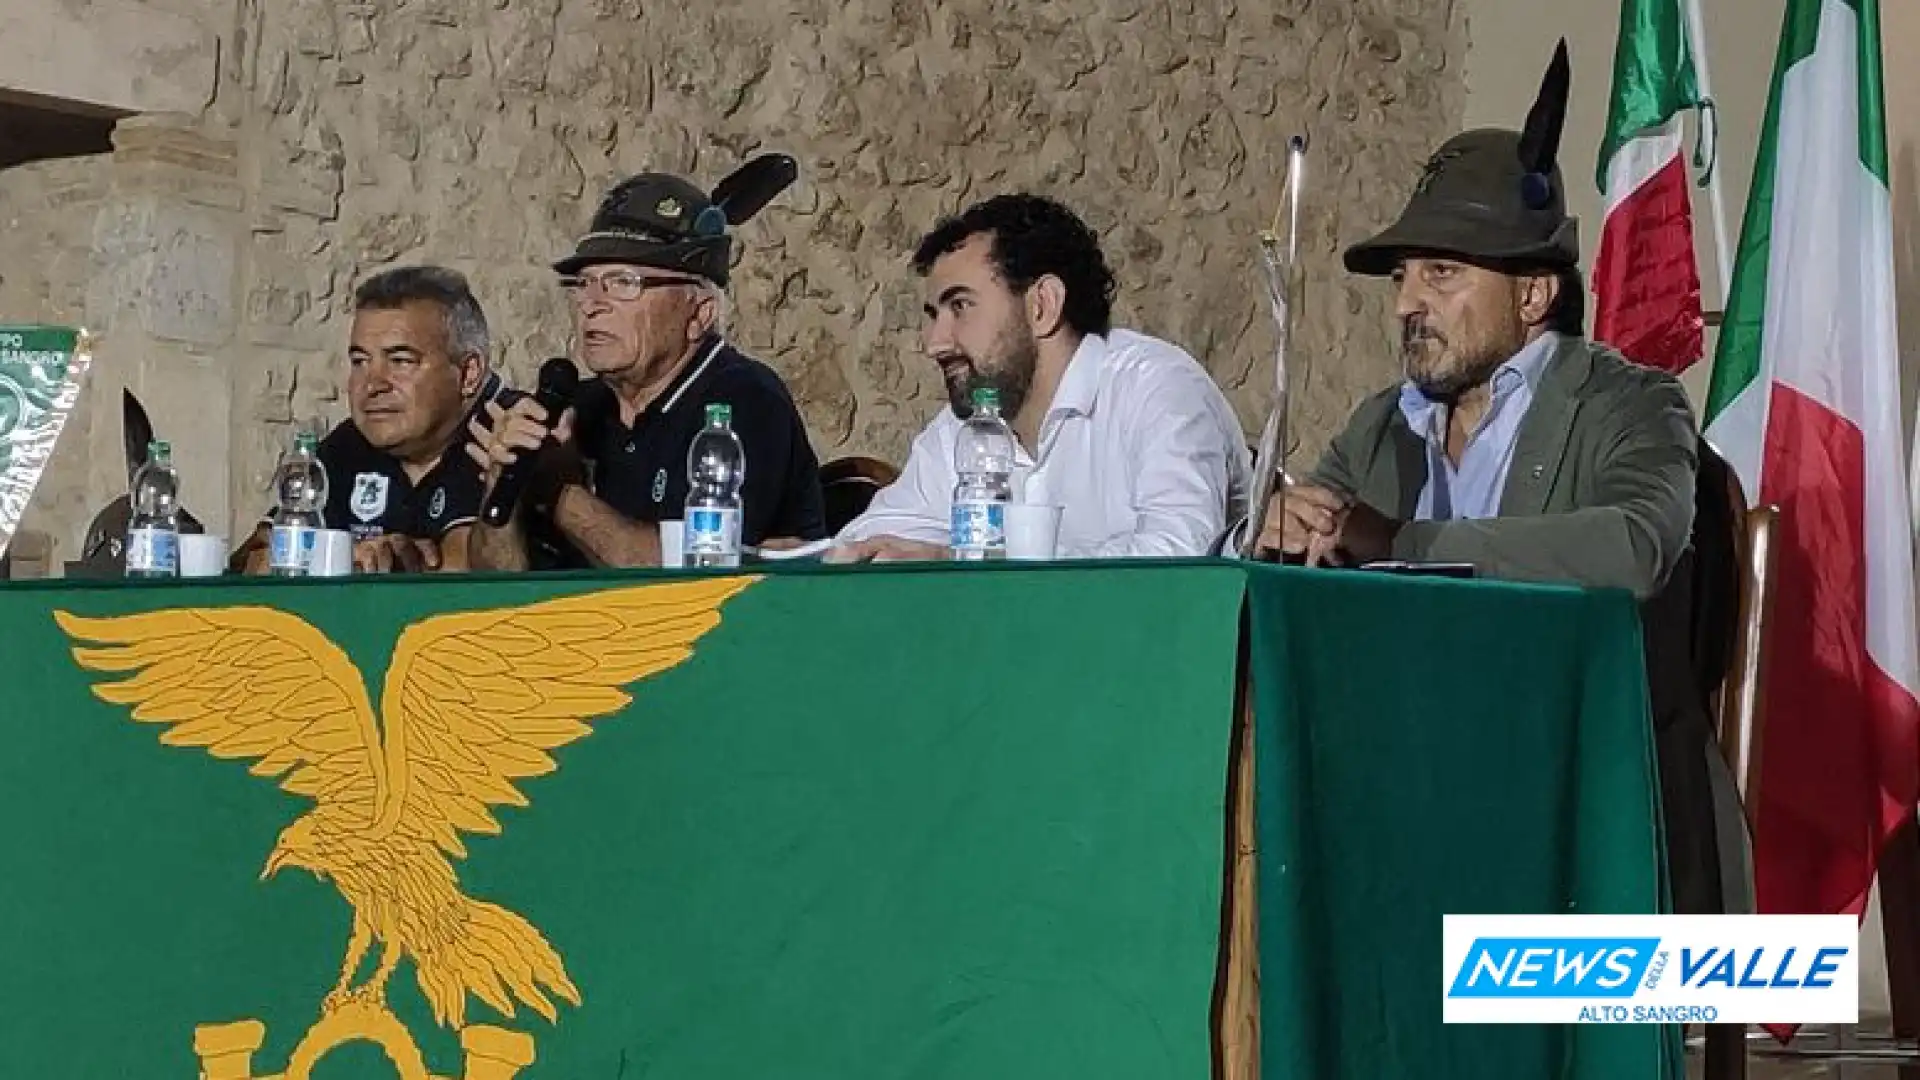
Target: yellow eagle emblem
(473, 702)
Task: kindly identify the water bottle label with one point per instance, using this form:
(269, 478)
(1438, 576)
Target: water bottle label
(978, 526)
(153, 551)
(290, 547)
(711, 530)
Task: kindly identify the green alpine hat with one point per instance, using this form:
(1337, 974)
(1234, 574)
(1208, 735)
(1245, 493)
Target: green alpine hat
(660, 220)
(1490, 196)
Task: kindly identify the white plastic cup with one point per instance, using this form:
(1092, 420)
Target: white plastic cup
(672, 544)
(202, 555)
(332, 554)
(1033, 531)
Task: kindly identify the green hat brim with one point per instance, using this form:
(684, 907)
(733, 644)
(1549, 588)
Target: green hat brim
(1470, 233)
(706, 257)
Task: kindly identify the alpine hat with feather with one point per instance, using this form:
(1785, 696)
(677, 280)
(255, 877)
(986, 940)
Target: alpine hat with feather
(663, 221)
(1491, 197)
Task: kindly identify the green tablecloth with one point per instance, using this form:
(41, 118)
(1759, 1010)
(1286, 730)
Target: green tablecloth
(925, 822)
(1429, 747)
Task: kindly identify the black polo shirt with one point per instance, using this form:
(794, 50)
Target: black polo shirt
(641, 471)
(368, 492)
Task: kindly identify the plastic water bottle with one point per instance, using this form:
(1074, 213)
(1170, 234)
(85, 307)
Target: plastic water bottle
(300, 494)
(983, 456)
(153, 532)
(716, 467)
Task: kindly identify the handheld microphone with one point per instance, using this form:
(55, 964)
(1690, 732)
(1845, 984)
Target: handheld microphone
(558, 381)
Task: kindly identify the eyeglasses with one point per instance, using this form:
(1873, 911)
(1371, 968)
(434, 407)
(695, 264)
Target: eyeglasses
(622, 284)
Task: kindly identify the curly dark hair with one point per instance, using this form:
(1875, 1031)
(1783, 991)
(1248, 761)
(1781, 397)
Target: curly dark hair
(1033, 236)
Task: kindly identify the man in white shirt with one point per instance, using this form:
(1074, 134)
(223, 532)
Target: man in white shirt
(1126, 433)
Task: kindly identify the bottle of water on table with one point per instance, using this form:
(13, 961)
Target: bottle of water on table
(716, 467)
(983, 458)
(153, 531)
(300, 496)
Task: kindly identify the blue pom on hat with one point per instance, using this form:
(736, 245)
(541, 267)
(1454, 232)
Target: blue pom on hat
(711, 221)
(1536, 190)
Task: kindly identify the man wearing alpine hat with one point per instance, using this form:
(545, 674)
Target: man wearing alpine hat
(1518, 446)
(647, 289)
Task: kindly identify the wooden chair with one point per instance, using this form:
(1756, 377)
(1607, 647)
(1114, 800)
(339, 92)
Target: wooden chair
(849, 485)
(1740, 712)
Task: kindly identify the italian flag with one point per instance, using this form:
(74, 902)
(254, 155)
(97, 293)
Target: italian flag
(1646, 285)
(1804, 405)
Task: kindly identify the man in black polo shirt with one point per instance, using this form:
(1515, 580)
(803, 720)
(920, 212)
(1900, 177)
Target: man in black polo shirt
(646, 287)
(397, 477)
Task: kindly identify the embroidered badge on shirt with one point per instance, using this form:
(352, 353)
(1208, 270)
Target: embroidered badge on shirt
(369, 496)
(660, 486)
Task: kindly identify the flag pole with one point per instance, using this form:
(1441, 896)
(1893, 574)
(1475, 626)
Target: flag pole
(1913, 476)
(1716, 199)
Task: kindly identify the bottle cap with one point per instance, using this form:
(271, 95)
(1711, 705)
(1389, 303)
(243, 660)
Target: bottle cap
(306, 441)
(986, 397)
(719, 414)
(159, 450)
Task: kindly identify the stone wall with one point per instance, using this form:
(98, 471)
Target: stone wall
(479, 134)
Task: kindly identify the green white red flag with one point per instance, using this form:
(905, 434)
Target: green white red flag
(1805, 406)
(1645, 279)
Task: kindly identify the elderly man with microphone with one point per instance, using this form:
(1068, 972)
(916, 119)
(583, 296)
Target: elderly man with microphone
(646, 285)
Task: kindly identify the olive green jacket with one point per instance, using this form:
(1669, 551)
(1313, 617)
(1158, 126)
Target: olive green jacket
(1600, 492)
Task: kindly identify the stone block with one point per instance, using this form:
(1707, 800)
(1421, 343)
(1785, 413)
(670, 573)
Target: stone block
(303, 181)
(122, 56)
(811, 367)
(173, 140)
(522, 43)
(165, 268)
(383, 238)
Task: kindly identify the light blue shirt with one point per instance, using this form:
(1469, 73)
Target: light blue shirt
(1473, 490)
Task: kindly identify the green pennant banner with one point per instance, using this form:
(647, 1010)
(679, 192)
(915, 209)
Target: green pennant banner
(41, 368)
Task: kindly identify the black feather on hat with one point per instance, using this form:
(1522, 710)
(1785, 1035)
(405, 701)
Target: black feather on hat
(663, 221)
(1492, 197)
(1540, 139)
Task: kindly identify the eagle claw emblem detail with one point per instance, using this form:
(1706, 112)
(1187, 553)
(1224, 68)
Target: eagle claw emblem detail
(473, 702)
(339, 998)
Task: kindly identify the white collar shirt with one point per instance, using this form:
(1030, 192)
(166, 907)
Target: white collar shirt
(1139, 448)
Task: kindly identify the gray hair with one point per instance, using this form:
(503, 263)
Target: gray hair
(719, 297)
(466, 322)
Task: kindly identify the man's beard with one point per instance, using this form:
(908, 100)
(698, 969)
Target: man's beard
(1445, 387)
(1017, 354)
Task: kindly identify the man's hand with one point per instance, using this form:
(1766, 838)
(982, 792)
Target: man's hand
(1367, 535)
(1325, 527)
(887, 549)
(388, 553)
(1303, 520)
(519, 430)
